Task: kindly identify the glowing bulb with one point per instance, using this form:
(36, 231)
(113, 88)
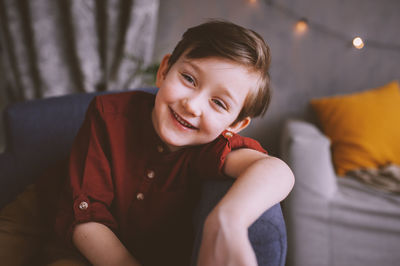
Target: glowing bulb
(358, 43)
(301, 25)
(252, 1)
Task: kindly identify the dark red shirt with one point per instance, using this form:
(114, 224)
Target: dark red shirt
(122, 175)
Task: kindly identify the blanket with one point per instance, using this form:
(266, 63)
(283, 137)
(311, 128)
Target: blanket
(386, 178)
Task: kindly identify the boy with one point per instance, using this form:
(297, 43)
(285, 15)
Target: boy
(136, 163)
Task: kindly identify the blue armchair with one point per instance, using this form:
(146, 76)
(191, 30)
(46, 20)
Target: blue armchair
(40, 133)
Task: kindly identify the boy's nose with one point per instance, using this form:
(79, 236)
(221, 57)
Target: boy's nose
(192, 106)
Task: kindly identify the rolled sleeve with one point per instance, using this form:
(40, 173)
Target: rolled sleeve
(89, 192)
(211, 157)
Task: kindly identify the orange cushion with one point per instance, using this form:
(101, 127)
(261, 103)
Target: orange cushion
(364, 128)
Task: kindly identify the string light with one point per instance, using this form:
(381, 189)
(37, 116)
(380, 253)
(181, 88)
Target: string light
(358, 42)
(303, 24)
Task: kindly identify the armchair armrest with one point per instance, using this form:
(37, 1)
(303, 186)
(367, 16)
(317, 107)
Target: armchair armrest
(306, 209)
(267, 234)
(9, 183)
(307, 151)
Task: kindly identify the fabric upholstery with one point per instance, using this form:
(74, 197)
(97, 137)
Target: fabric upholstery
(334, 221)
(364, 127)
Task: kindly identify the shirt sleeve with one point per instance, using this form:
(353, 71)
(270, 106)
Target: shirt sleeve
(88, 193)
(211, 157)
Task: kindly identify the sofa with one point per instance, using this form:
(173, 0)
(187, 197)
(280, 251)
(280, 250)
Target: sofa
(39, 133)
(334, 220)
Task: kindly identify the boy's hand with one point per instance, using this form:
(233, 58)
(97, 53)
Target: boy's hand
(225, 243)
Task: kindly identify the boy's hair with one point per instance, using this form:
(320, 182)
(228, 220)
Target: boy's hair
(227, 40)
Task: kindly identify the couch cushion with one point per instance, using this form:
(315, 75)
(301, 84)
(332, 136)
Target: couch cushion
(364, 225)
(364, 128)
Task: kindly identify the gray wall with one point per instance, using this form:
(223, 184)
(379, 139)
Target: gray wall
(312, 65)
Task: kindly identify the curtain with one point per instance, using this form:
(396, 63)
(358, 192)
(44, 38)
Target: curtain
(56, 47)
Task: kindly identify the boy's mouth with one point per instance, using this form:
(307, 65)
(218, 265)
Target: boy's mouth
(182, 121)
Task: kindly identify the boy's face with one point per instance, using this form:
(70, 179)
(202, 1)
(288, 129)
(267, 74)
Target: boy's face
(199, 98)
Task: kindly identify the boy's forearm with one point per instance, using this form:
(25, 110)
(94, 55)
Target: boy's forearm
(262, 184)
(101, 246)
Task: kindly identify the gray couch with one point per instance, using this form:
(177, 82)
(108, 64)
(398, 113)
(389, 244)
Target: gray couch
(334, 221)
(40, 133)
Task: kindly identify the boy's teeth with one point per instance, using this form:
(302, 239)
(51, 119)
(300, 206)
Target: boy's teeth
(182, 121)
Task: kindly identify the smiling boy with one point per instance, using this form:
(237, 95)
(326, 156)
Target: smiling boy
(200, 98)
(136, 164)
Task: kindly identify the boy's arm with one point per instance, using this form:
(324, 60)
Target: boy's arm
(262, 181)
(101, 246)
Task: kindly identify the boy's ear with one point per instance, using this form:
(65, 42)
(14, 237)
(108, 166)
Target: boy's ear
(162, 70)
(239, 126)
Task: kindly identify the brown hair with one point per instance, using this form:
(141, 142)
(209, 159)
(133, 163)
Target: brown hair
(227, 40)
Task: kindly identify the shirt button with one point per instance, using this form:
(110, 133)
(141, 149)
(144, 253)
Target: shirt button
(151, 174)
(228, 134)
(83, 205)
(160, 148)
(140, 196)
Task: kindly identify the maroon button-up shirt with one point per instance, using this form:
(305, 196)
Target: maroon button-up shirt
(122, 175)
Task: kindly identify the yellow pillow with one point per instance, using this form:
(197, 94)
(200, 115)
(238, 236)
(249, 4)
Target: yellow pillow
(364, 128)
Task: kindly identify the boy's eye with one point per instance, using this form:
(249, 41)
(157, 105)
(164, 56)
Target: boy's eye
(188, 78)
(219, 103)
